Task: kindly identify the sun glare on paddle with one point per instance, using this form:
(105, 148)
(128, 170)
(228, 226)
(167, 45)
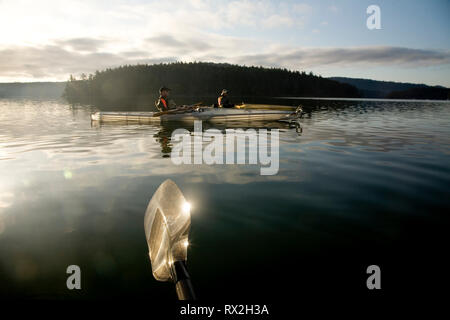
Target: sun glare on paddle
(186, 207)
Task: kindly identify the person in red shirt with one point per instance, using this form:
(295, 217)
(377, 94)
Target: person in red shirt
(164, 103)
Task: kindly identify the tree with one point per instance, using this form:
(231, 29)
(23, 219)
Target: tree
(138, 84)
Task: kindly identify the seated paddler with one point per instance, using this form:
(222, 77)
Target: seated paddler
(223, 101)
(164, 103)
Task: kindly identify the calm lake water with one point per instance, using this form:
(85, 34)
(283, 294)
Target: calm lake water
(364, 182)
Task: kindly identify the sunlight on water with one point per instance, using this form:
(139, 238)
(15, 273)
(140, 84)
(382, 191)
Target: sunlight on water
(72, 191)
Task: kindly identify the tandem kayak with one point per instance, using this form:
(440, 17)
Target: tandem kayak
(264, 107)
(204, 114)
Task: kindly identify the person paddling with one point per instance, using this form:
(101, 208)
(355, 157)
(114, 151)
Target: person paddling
(223, 101)
(164, 103)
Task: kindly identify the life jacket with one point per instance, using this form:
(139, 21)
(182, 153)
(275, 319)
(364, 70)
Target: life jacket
(219, 100)
(164, 102)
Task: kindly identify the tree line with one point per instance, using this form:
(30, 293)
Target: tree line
(429, 93)
(395, 90)
(139, 84)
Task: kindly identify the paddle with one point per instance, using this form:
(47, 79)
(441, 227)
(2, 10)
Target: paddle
(167, 223)
(181, 109)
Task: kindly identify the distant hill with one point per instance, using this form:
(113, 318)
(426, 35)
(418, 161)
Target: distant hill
(431, 93)
(37, 90)
(389, 89)
(137, 84)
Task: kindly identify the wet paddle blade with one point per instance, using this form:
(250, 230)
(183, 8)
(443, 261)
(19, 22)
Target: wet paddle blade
(167, 223)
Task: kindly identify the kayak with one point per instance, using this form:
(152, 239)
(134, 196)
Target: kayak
(204, 114)
(264, 107)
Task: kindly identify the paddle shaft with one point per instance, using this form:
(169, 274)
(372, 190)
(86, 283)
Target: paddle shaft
(180, 109)
(183, 284)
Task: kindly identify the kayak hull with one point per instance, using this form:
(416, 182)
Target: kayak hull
(211, 115)
(265, 107)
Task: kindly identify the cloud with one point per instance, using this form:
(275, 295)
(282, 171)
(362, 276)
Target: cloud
(302, 8)
(184, 45)
(199, 46)
(83, 44)
(277, 20)
(53, 61)
(343, 57)
(77, 39)
(166, 40)
(134, 54)
(263, 14)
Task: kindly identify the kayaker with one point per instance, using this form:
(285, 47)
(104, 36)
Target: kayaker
(223, 101)
(164, 103)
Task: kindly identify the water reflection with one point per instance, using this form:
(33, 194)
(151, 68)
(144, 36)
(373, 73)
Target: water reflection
(71, 193)
(165, 130)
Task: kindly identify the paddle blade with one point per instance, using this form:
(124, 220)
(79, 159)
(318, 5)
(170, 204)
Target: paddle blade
(167, 223)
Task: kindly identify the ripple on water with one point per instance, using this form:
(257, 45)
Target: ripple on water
(356, 173)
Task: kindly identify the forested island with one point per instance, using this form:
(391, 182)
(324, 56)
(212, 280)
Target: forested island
(139, 84)
(193, 82)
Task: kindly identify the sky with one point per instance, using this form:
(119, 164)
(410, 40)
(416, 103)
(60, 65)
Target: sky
(45, 40)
